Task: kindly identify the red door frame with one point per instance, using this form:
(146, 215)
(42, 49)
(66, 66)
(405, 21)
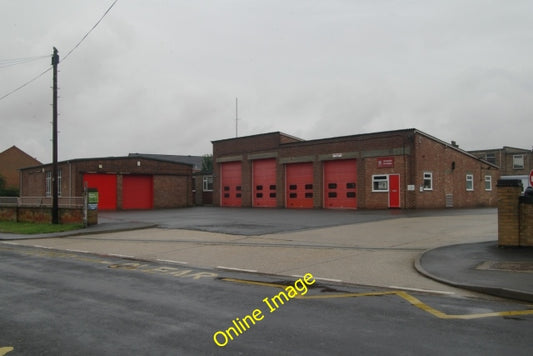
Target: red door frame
(394, 190)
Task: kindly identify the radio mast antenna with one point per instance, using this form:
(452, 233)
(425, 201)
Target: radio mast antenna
(236, 117)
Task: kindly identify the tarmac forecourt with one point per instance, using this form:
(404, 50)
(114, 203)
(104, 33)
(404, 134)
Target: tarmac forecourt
(257, 314)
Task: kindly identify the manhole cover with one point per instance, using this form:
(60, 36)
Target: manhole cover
(506, 266)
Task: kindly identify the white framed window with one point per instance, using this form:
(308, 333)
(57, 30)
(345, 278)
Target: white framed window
(518, 161)
(470, 182)
(488, 183)
(380, 183)
(208, 183)
(48, 183)
(428, 181)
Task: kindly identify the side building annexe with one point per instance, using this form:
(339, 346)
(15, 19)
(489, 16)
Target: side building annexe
(394, 169)
(133, 182)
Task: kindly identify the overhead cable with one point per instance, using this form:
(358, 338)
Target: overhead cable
(91, 30)
(12, 62)
(25, 84)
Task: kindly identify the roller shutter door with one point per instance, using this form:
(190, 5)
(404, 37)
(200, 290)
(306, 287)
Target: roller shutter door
(340, 190)
(137, 192)
(107, 189)
(231, 188)
(299, 186)
(264, 183)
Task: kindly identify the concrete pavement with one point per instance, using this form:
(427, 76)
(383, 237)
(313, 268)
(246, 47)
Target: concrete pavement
(378, 250)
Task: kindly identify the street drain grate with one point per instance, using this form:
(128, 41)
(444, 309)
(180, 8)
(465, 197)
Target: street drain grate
(506, 266)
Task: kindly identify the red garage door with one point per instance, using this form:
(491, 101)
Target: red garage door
(264, 183)
(137, 192)
(231, 192)
(299, 190)
(107, 189)
(340, 179)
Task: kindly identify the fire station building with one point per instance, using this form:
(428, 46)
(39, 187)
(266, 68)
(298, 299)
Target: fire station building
(133, 182)
(394, 169)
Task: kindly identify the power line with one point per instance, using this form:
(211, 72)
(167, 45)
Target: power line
(91, 30)
(27, 83)
(50, 68)
(4, 63)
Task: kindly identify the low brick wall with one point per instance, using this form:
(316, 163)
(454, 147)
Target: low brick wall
(44, 215)
(515, 215)
(8, 214)
(526, 222)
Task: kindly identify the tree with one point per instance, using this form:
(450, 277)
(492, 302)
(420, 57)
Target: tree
(7, 192)
(207, 163)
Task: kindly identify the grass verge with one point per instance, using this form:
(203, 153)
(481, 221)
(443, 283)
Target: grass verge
(31, 228)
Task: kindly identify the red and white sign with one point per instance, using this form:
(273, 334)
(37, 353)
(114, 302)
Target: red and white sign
(531, 178)
(386, 162)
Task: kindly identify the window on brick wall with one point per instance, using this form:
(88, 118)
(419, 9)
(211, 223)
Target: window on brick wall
(49, 183)
(380, 183)
(59, 181)
(208, 183)
(470, 182)
(491, 157)
(488, 183)
(518, 161)
(428, 181)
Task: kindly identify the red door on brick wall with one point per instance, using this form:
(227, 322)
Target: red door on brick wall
(299, 185)
(394, 190)
(107, 189)
(264, 183)
(231, 184)
(340, 179)
(137, 192)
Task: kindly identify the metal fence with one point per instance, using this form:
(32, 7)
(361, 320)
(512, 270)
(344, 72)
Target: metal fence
(45, 202)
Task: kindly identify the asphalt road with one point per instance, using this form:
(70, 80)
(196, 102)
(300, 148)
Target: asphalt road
(66, 303)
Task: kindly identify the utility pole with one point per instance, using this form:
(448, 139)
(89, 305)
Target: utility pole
(55, 192)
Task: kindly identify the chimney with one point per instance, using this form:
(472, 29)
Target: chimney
(454, 144)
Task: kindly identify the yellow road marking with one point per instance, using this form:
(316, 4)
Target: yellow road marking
(5, 350)
(404, 295)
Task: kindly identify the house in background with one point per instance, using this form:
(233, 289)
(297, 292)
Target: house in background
(514, 163)
(11, 161)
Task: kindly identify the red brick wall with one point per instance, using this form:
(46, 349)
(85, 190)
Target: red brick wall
(380, 200)
(41, 215)
(172, 191)
(450, 177)
(413, 154)
(172, 181)
(248, 144)
(8, 214)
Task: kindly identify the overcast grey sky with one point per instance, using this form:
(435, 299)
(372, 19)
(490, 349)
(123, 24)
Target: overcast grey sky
(162, 76)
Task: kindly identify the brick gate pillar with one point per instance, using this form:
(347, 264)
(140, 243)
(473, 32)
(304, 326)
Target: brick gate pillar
(509, 212)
